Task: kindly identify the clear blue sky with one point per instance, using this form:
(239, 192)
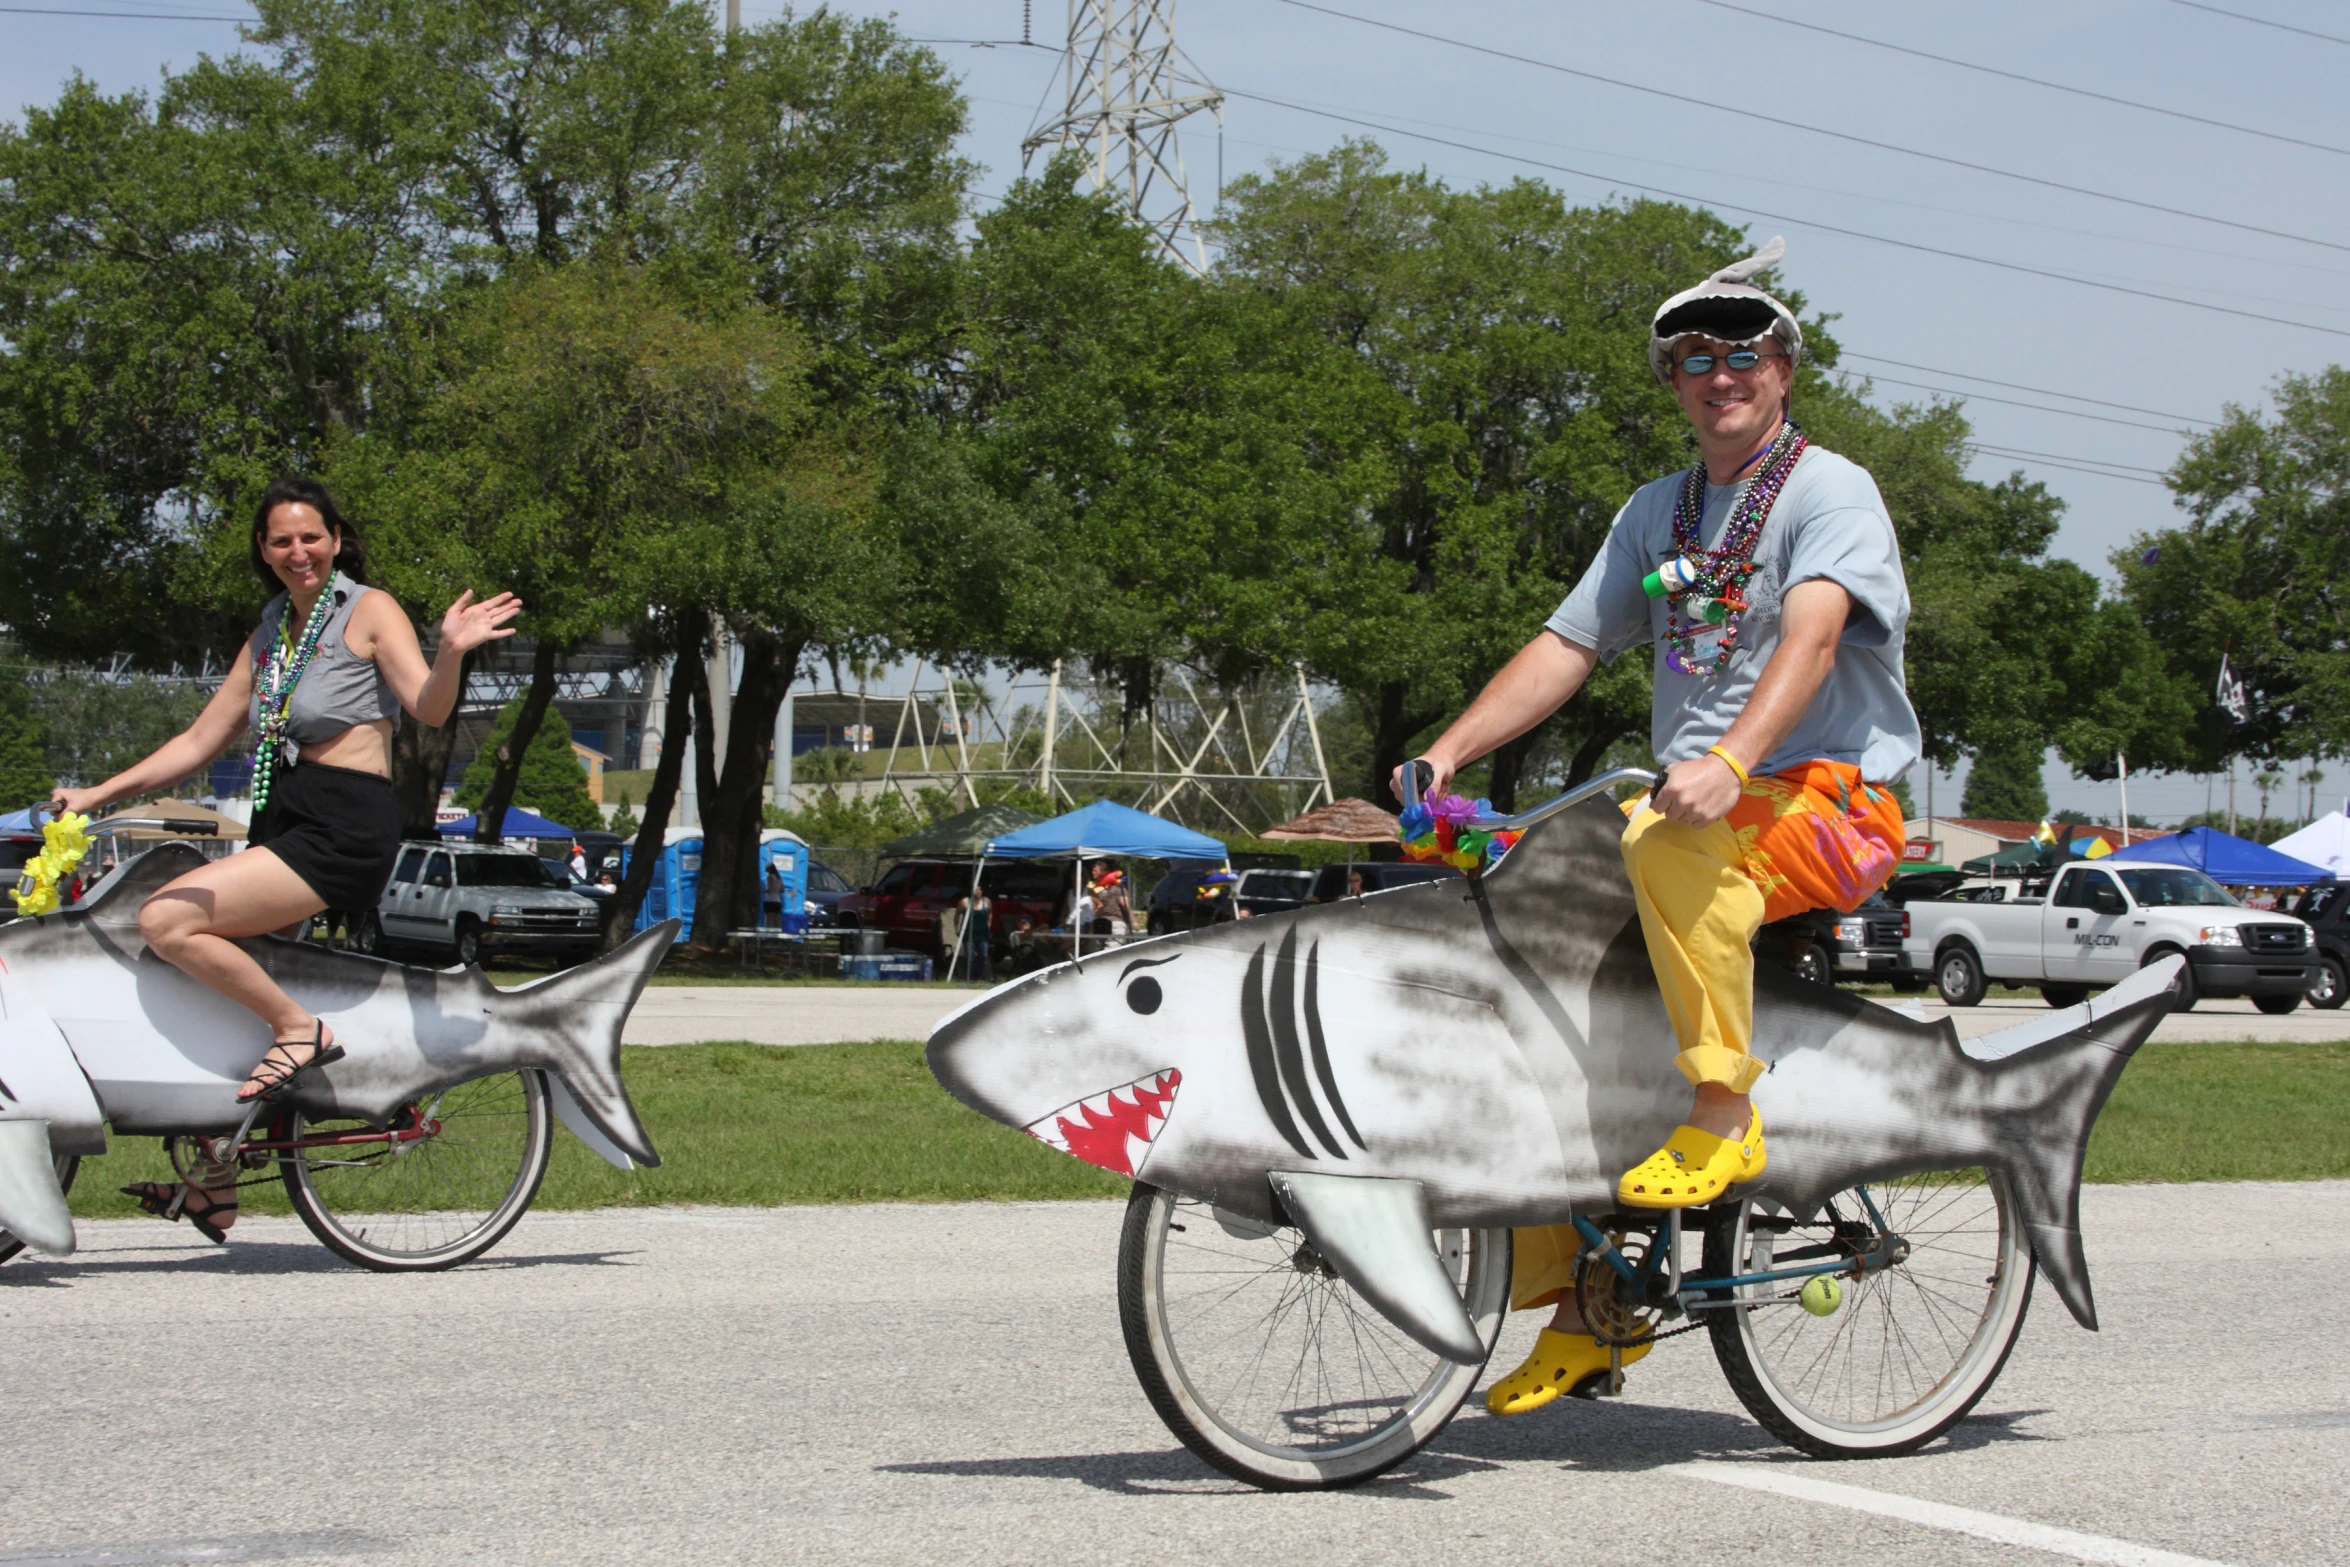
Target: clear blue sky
(1957, 318)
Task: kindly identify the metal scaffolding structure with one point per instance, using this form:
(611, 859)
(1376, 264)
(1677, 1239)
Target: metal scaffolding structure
(1127, 85)
(1240, 761)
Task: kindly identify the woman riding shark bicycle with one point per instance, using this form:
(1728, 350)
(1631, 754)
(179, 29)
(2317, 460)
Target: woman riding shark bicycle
(1768, 581)
(331, 665)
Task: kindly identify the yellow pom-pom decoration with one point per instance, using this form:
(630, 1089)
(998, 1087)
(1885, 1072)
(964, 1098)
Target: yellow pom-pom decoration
(63, 843)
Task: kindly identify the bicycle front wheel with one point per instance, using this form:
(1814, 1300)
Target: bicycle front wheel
(1911, 1346)
(1267, 1364)
(434, 1202)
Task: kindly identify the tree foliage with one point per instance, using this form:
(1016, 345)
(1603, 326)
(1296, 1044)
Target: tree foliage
(550, 779)
(2257, 574)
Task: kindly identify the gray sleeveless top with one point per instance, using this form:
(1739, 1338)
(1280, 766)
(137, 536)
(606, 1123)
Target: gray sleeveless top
(339, 689)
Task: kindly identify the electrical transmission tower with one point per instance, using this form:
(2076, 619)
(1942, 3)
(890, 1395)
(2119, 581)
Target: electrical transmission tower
(1127, 87)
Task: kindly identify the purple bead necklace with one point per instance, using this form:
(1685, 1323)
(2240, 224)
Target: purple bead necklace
(1716, 599)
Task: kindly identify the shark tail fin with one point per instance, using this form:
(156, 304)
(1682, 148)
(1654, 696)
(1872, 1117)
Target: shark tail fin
(2050, 1079)
(586, 1008)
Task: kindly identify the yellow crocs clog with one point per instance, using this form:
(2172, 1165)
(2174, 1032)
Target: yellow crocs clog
(1560, 1361)
(1693, 1167)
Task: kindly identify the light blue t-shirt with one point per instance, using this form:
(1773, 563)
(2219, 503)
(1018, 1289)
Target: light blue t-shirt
(1830, 523)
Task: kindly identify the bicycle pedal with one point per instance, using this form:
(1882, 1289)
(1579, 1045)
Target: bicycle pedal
(1594, 1387)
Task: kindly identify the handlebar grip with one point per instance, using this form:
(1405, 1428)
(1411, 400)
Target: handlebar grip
(1418, 778)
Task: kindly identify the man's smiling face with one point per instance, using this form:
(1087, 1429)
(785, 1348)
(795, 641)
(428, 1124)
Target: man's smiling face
(1733, 409)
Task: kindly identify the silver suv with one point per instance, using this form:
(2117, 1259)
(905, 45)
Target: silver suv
(466, 900)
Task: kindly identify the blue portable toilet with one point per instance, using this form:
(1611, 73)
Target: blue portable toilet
(679, 872)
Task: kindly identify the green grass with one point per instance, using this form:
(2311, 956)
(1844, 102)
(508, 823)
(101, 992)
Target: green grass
(742, 1124)
(755, 1125)
(2242, 1112)
(507, 979)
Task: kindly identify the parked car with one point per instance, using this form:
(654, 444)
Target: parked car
(2326, 911)
(1333, 882)
(827, 888)
(1825, 946)
(2093, 925)
(906, 902)
(472, 900)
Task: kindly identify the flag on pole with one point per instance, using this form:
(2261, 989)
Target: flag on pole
(2230, 695)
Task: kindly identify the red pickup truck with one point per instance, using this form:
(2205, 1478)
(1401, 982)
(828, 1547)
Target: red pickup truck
(908, 899)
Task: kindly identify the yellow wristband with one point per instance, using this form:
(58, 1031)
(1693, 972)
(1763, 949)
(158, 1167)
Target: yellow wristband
(1744, 777)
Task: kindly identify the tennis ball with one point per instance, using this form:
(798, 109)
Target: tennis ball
(1822, 1295)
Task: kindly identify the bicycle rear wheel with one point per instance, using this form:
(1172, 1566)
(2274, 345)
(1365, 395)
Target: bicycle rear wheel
(68, 1166)
(1912, 1346)
(1267, 1364)
(435, 1202)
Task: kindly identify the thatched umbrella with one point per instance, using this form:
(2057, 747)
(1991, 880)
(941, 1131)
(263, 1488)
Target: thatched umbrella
(1341, 821)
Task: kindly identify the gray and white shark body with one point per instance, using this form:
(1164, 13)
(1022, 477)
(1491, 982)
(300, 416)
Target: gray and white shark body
(96, 1031)
(1503, 1053)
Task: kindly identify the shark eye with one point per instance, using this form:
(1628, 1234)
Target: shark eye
(1144, 995)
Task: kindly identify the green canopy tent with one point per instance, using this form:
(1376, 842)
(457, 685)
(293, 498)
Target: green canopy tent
(961, 836)
(2017, 858)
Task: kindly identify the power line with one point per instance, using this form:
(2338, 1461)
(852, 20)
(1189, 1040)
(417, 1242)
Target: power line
(1986, 397)
(1781, 217)
(2093, 465)
(2261, 21)
(1816, 130)
(2029, 81)
(2036, 391)
(124, 16)
(2323, 269)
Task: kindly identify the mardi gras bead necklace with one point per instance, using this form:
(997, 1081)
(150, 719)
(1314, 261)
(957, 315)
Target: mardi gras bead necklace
(277, 676)
(1705, 590)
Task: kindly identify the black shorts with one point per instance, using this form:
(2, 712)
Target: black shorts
(336, 828)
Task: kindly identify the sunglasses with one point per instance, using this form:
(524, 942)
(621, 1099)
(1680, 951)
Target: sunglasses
(1739, 359)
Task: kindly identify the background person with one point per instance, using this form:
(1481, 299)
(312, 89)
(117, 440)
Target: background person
(322, 683)
(1779, 714)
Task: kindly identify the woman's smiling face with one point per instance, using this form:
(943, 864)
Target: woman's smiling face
(299, 547)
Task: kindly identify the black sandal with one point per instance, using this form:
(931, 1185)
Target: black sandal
(277, 1068)
(171, 1202)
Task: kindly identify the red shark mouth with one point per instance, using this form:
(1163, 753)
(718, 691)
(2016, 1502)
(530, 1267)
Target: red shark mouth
(1112, 1129)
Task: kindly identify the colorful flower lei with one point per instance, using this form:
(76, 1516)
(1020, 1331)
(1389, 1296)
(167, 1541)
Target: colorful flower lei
(1439, 829)
(63, 843)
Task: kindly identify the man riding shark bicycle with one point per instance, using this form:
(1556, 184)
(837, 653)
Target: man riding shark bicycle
(1768, 580)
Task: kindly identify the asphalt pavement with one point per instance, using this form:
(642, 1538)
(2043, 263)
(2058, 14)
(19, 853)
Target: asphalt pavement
(928, 1384)
(830, 1014)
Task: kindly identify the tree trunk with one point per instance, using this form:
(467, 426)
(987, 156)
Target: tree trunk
(653, 831)
(1590, 753)
(1509, 770)
(1391, 738)
(490, 821)
(420, 763)
(727, 895)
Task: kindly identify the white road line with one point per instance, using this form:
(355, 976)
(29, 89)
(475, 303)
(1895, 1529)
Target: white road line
(1940, 1515)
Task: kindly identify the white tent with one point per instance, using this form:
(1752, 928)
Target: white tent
(2324, 843)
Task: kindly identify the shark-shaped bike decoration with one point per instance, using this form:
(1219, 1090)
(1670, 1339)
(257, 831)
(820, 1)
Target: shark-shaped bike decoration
(420, 1148)
(1334, 1117)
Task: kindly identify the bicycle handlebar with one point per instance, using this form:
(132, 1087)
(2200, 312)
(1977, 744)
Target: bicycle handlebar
(1413, 786)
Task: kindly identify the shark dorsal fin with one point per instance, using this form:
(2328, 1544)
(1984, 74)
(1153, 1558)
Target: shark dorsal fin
(117, 898)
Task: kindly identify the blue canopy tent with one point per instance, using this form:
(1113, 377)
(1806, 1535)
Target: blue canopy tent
(1102, 829)
(2230, 861)
(519, 823)
(19, 821)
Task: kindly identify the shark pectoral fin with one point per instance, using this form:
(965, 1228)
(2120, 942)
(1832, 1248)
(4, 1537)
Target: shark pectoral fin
(568, 1111)
(32, 1205)
(1375, 1232)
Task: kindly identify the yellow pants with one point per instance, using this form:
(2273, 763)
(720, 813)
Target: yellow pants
(1814, 837)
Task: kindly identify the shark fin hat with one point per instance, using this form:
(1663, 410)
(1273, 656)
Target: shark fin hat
(1725, 306)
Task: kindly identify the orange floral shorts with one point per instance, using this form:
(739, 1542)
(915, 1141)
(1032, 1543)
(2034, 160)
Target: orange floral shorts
(1816, 837)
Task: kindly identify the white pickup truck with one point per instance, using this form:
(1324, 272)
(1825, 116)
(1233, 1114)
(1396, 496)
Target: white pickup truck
(2091, 925)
